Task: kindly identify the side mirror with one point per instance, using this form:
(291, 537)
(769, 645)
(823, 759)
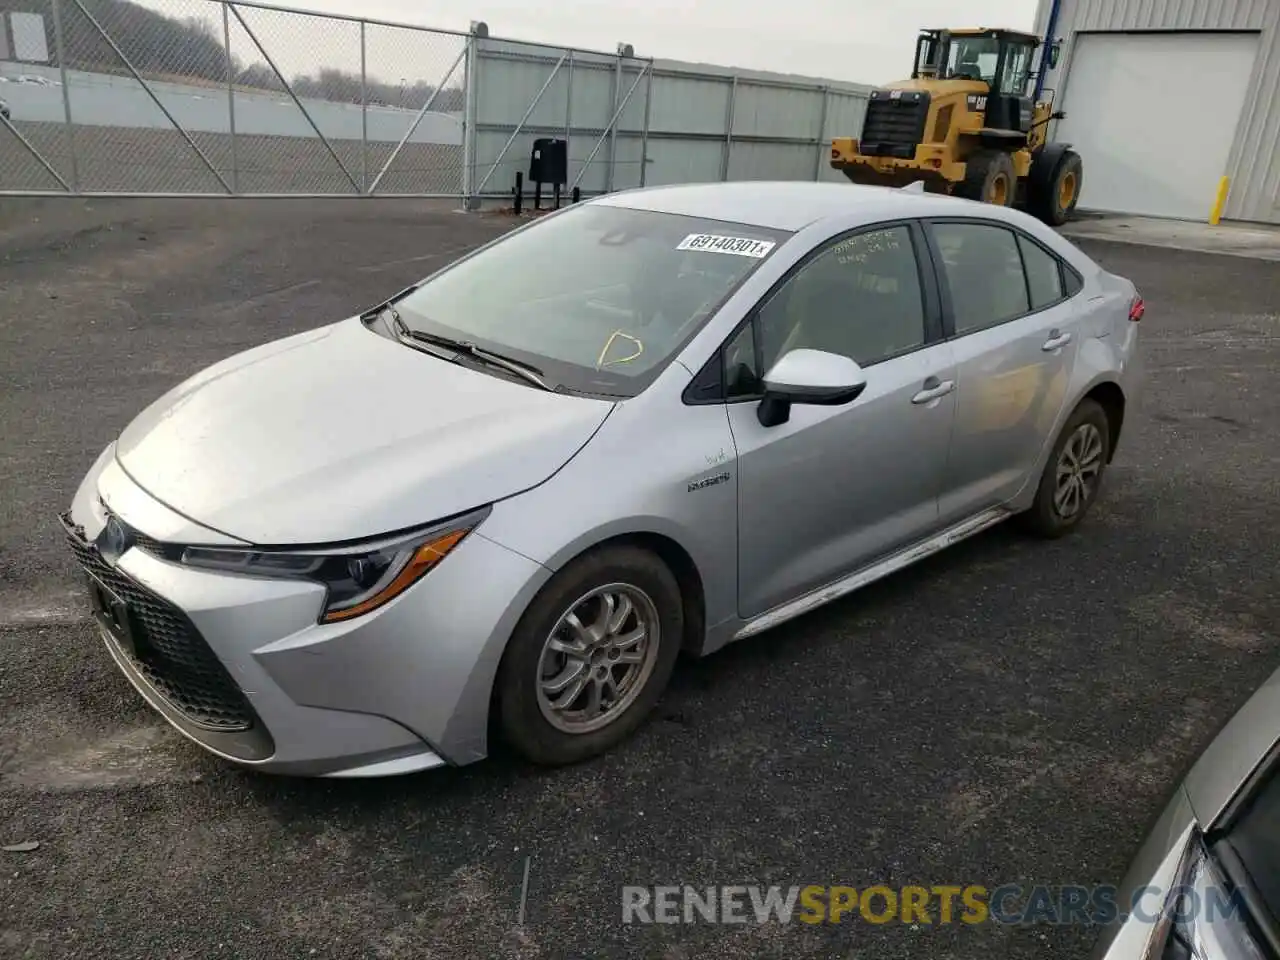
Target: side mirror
(808, 376)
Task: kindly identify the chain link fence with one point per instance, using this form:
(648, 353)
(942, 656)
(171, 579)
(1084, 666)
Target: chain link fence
(200, 97)
(238, 98)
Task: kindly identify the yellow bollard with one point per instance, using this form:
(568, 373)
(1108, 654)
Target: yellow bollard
(1219, 201)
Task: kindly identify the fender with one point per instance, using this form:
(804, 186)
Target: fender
(1027, 493)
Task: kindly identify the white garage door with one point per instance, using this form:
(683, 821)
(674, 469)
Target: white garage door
(1153, 116)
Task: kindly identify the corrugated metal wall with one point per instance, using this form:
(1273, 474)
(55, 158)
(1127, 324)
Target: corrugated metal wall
(1254, 162)
(684, 122)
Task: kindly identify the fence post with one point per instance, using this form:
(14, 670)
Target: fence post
(364, 112)
(568, 117)
(822, 135)
(644, 134)
(613, 129)
(470, 109)
(61, 49)
(231, 97)
(728, 128)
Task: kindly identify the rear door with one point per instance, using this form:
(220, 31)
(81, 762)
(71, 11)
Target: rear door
(1015, 333)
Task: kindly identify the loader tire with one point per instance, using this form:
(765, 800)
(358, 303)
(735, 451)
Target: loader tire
(1053, 199)
(989, 178)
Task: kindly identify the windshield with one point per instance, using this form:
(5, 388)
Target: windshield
(597, 297)
(973, 58)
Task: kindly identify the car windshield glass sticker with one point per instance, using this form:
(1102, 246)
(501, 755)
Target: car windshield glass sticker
(718, 243)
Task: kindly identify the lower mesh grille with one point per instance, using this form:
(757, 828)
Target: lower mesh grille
(894, 125)
(170, 654)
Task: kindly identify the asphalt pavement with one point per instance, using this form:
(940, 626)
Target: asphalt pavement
(1009, 711)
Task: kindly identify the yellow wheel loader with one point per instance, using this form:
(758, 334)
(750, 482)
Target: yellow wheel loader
(965, 124)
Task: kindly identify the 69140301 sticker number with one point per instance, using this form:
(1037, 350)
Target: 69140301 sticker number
(719, 243)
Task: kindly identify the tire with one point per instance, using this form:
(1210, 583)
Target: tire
(1046, 518)
(1054, 199)
(989, 177)
(528, 716)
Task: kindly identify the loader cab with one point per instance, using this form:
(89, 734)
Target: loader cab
(927, 46)
(999, 58)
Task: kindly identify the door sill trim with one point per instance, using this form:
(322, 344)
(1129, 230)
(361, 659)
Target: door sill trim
(860, 578)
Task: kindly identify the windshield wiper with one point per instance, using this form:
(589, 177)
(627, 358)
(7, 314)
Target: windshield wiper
(397, 322)
(412, 337)
(518, 367)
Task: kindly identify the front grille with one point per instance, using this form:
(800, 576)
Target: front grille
(152, 546)
(894, 125)
(171, 654)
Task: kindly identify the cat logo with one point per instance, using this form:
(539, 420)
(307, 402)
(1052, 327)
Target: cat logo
(977, 101)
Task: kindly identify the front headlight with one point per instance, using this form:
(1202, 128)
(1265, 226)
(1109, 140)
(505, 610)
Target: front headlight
(359, 578)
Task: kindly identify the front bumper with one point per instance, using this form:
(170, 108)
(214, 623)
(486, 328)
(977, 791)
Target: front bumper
(241, 666)
(928, 163)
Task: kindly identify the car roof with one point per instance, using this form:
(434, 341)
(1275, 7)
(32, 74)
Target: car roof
(792, 205)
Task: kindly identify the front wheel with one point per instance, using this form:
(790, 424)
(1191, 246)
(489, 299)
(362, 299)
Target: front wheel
(989, 177)
(1073, 474)
(591, 656)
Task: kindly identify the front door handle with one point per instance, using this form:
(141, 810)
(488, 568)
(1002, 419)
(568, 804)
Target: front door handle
(1056, 339)
(933, 389)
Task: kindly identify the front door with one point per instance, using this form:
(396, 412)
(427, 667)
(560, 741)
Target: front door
(833, 488)
(1015, 339)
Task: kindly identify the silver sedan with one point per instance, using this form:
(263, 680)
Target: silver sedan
(1205, 885)
(663, 420)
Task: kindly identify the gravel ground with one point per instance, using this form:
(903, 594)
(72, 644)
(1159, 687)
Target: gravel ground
(1008, 711)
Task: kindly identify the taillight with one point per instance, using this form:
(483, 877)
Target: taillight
(1136, 310)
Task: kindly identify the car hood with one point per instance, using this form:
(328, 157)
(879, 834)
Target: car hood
(340, 433)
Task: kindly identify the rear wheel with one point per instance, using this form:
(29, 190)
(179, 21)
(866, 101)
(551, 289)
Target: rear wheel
(1054, 199)
(1073, 474)
(989, 177)
(591, 656)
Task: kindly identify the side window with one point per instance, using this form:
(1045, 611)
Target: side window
(860, 297)
(1071, 281)
(984, 274)
(741, 377)
(1044, 277)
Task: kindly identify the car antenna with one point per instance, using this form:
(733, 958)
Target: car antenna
(915, 186)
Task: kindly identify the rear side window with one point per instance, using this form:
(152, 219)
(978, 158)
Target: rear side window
(1071, 281)
(984, 274)
(1044, 278)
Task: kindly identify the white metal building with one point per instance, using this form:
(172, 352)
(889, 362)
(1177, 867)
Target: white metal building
(1165, 97)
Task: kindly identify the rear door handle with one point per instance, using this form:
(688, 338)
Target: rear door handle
(1056, 339)
(933, 389)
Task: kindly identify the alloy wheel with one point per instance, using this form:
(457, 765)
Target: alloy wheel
(597, 658)
(1079, 468)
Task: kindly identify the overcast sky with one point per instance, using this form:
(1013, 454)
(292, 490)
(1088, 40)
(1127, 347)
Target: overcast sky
(867, 41)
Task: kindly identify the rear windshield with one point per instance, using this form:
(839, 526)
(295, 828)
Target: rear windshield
(599, 298)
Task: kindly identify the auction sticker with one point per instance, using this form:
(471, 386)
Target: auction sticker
(718, 243)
